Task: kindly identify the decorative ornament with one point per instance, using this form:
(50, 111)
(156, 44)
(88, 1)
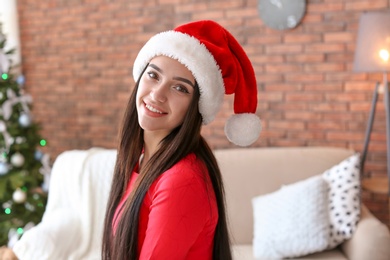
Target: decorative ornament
(19, 196)
(17, 159)
(24, 120)
(20, 80)
(38, 155)
(20, 139)
(4, 168)
(7, 204)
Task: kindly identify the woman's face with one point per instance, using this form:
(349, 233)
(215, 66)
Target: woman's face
(164, 94)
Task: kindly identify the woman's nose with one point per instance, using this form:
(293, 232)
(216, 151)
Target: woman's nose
(158, 93)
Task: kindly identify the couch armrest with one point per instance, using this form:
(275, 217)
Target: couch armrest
(371, 239)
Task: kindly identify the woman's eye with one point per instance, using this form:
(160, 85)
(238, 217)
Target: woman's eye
(152, 75)
(181, 89)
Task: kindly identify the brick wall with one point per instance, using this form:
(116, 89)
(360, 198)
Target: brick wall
(77, 59)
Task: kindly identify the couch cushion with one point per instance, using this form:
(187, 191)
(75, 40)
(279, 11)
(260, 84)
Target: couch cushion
(245, 252)
(266, 169)
(292, 221)
(371, 239)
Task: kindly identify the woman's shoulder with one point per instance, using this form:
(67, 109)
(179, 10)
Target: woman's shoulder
(190, 169)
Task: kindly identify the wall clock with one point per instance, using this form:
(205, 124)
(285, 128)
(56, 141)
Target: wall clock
(281, 14)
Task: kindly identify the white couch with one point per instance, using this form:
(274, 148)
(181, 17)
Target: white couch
(72, 224)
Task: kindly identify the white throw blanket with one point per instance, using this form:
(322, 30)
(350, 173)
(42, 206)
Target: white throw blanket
(72, 224)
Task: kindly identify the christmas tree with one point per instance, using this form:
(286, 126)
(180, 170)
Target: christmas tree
(24, 169)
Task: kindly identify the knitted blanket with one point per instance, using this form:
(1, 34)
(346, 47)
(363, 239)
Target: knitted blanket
(72, 225)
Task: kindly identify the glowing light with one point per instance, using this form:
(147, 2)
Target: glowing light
(7, 211)
(4, 76)
(43, 142)
(384, 54)
(20, 231)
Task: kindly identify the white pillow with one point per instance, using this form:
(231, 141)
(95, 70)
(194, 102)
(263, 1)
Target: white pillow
(344, 199)
(292, 221)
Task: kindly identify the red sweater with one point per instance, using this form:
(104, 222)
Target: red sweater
(178, 215)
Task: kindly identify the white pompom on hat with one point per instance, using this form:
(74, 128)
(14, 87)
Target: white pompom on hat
(219, 65)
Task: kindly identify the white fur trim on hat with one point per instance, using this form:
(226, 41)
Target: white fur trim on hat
(243, 129)
(190, 52)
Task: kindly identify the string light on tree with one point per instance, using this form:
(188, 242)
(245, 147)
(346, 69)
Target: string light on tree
(43, 142)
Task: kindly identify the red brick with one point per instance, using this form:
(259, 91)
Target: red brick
(283, 48)
(302, 115)
(365, 5)
(265, 40)
(244, 12)
(325, 48)
(302, 38)
(302, 97)
(346, 97)
(285, 124)
(304, 77)
(325, 125)
(277, 68)
(311, 18)
(323, 86)
(282, 87)
(324, 67)
(328, 107)
(306, 58)
(267, 59)
(325, 7)
(344, 136)
(325, 27)
(339, 37)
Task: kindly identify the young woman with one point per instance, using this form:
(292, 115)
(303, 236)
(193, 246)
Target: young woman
(167, 196)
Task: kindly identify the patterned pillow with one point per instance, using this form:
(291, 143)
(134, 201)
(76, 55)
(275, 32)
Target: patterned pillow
(292, 221)
(344, 199)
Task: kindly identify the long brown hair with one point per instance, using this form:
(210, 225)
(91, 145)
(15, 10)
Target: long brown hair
(183, 140)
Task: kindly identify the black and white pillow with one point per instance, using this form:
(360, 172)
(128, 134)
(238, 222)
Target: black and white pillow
(344, 199)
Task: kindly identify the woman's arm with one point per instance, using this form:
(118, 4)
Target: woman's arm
(7, 254)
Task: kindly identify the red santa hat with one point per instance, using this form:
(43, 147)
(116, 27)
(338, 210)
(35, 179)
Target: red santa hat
(219, 65)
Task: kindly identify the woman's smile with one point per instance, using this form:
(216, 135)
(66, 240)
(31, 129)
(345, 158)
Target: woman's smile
(153, 109)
